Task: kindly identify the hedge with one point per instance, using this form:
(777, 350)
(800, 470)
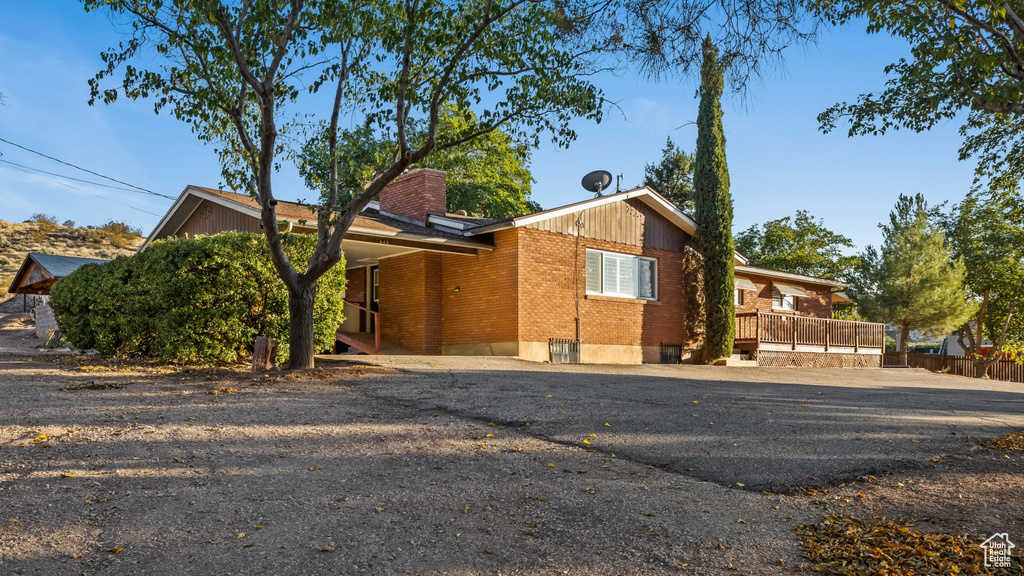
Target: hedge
(192, 300)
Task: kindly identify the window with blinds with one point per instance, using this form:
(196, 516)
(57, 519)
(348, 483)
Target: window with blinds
(622, 275)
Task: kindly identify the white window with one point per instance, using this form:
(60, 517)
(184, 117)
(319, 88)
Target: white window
(737, 297)
(782, 301)
(623, 275)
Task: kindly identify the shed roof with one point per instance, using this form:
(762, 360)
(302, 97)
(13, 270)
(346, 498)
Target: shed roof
(40, 271)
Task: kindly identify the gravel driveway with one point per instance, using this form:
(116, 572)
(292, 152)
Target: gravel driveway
(767, 429)
(427, 466)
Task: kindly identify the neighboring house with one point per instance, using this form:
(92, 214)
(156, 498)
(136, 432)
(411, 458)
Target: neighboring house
(39, 272)
(606, 274)
(35, 278)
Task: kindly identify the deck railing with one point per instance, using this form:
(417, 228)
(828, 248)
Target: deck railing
(376, 322)
(795, 331)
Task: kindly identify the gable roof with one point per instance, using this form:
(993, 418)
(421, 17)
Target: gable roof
(645, 194)
(371, 221)
(52, 267)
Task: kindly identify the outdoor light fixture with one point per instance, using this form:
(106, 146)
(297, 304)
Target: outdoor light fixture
(457, 289)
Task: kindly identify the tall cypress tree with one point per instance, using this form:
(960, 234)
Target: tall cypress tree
(713, 211)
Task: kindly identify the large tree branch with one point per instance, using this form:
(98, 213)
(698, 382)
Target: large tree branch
(1008, 46)
(234, 45)
(282, 44)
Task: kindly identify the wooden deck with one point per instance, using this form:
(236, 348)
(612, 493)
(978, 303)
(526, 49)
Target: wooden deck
(783, 332)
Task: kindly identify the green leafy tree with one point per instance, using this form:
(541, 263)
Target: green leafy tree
(672, 176)
(248, 76)
(987, 232)
(913, 282)
(713, 211)
(235, 71)
(800, 244)
(966, 56)
(488, 177)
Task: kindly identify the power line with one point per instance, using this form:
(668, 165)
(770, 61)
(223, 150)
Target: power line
(26, 169)
(68, 177)
(138, 188)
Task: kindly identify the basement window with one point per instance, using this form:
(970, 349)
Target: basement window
(621, 275)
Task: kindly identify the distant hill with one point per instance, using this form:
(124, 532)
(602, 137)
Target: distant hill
(44, 234)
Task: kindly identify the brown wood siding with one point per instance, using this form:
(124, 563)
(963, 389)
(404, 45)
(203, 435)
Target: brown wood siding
(210, 218)
(630, 222)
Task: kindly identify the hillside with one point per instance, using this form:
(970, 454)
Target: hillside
(18, 239)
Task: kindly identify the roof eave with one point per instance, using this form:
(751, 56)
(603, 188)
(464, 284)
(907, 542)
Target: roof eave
(772, 273)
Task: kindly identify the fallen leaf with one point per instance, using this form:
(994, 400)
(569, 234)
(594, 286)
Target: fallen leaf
(117, 550)
(326, 549)
(607, 425)
(314, 468)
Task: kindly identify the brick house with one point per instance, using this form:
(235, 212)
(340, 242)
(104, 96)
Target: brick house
(605, 276)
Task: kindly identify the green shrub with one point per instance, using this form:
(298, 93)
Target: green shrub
(195, 301)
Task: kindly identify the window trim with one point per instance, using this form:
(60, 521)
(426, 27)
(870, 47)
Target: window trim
(635, 259)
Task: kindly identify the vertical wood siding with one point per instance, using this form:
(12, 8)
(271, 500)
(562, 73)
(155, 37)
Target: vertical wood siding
(211, 218)
(630, 222)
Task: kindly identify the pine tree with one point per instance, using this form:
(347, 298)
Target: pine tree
(672, 176)
(913, 282)
(713, 211)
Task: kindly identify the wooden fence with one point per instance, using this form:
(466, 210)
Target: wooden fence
(1007, 370)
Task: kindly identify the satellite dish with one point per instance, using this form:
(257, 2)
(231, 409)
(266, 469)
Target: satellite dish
(597, 181)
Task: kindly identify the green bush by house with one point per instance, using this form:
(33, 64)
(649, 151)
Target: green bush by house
(192, 300)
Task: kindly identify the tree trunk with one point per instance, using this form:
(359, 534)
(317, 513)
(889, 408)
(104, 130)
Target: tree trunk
(901, 357)
(981, 365)
(301, 346)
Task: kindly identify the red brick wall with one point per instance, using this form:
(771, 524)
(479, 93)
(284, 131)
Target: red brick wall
(415, 194)
(819, 304)
(552, 272)
(355, 285)
(410, 303)
(355, 291)
(484, 310)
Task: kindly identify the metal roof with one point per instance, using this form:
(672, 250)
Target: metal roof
(60, 266)
(53, 268)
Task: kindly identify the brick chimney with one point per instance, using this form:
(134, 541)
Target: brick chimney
(415, 195)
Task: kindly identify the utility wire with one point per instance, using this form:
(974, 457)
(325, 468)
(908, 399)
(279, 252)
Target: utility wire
(137, 188)
(68, 177)
(26, 169)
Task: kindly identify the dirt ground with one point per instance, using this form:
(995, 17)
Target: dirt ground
(108, 469)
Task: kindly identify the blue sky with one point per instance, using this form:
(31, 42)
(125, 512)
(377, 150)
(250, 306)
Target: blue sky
(778, 159)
